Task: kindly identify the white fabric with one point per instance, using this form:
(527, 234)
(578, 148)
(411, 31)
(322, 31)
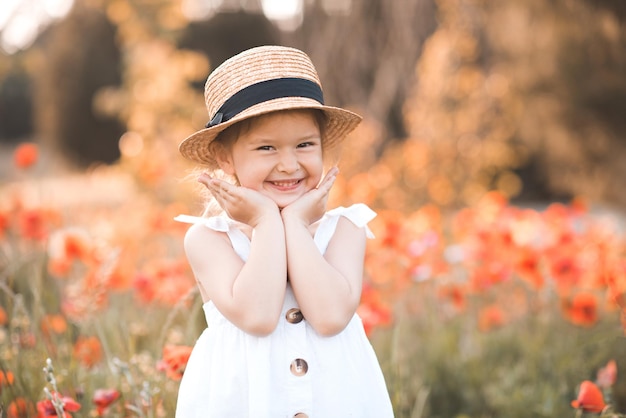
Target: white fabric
(231, 374)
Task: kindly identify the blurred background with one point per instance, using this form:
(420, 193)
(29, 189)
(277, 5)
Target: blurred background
(459, 96)
(493, 148)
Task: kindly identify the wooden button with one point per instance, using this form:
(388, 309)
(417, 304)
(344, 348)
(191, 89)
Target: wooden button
(299, 367)
(294, 315)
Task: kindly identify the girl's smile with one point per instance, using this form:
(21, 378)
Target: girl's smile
(285, 185)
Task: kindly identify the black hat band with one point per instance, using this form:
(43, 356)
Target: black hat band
(264, 91)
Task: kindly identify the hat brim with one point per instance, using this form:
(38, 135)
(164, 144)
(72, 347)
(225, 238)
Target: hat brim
(339, 122)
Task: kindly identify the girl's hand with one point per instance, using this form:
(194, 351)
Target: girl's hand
(241, 204)
(311, 206)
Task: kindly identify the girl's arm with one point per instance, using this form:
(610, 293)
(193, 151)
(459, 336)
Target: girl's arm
(327, 287)
(249, 294)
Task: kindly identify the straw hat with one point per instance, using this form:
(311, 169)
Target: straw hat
(258, 81)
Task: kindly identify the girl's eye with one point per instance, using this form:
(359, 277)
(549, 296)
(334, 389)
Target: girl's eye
(265, 148)
(306, 144)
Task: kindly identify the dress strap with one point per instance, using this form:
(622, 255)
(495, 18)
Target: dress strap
(359, 214)
(239, 240)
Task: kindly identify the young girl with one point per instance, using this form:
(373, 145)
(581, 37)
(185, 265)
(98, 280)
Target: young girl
(280, 277)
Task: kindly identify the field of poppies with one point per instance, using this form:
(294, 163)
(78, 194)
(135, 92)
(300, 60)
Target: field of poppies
(491, 310)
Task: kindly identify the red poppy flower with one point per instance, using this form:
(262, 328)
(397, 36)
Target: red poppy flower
(121, 277)
(33, 224)
(527, 267)
(88, 351)
(4, 222)
(46, 407)
(174, 360)
(391, 235)
(144, 289)
(6, 379)
(21, 408)
(582, 310)
(26, 155)
(455, 294)
(373, 311)
(103, 398)
(490, 317)
(53, 324)
(564, 269)
(36, 223)
(163, 281)
(3, 316)
(66, 247)
(374, 315)
(590, 398)
(607, 375)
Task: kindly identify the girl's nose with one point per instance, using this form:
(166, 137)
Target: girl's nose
(288, 162)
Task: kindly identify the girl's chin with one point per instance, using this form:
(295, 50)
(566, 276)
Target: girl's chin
(283, 204)
(284, 199)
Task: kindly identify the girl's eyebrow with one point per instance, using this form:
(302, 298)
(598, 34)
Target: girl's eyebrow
(312, 135)
(255, 140)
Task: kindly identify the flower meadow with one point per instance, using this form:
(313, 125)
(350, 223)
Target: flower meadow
(490, 310)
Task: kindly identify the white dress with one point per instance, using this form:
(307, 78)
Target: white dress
(232, 374)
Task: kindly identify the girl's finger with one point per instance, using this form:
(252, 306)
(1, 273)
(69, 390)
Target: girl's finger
(216, 185)
(331, 176)
(328, 184)
(205, 179)
(329, 180)
(211, 186)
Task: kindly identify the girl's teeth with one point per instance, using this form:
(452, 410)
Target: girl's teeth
(285, 183)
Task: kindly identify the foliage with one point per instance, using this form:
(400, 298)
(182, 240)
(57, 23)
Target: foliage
(509, 96)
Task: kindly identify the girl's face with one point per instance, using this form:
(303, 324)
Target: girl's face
(280, 156)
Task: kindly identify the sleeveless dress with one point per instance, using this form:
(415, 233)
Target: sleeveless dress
(293, 372)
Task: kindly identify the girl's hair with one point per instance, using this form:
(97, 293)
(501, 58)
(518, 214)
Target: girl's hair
(225, 140)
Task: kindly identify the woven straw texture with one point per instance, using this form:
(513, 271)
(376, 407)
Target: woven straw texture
(251, 67)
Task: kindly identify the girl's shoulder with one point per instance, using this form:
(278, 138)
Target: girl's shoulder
(359, 214)
(203, 231)
(217, 229)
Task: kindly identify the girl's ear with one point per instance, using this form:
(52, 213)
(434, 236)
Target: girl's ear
(224, 158)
